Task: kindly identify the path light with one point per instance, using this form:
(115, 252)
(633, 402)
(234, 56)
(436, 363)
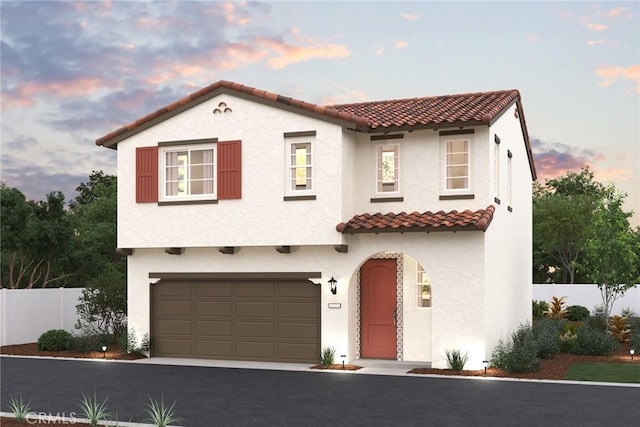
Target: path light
(104, 351)
(486, 365)
(632, 352)
(343, 357)
(334, 285)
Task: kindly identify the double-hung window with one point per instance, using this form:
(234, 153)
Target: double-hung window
(457, 155)
(387, 169)
(189, 173)
(299, 163)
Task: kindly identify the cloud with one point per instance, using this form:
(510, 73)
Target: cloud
(532, 38)
(284, 53)
(400, 44)
(553, 159)
(21, 143)
(597, 27)
(410, 16)
(596, 42)
(378, 50)
(613, 74)
(345, 96)
(616, 12)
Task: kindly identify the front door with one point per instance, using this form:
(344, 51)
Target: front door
(378, 308)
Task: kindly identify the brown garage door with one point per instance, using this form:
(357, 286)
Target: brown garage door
(271, 320)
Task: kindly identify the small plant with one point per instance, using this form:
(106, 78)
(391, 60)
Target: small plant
(20, 409)
(538, 309)
(546, 333)
(556, 308)
(161, 415)
(328, 356)
(577, 312)
(93, 410)
(568, 342)
(86, 342)
(55, 340)
(619, 328)
(128, 342)
(520, 355)
(456, 360)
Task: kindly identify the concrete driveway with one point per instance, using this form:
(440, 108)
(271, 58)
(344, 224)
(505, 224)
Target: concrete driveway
(213, 396)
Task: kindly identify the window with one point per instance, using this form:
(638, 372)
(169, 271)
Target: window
(189, 173)
(496, 168)
(457, 164)
(509, 181)
(299, 165)
(423, 287)
(387, 168)
(194, 171)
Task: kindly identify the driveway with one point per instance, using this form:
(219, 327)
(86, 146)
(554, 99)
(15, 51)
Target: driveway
(208, 396)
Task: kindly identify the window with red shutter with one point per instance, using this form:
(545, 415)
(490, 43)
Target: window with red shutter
(229, 170)
(146, 174)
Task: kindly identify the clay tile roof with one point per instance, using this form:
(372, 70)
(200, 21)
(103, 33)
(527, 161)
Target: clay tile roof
(415, 221)
(470, 109)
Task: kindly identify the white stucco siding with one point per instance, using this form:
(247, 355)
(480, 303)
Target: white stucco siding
(509, 238)
(261, 217)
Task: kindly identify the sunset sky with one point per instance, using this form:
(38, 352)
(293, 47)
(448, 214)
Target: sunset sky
(74, 71)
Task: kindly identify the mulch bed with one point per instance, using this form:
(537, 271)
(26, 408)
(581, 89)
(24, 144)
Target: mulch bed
(553, 368)
(113, 352)
(34, 421)
(337, 367)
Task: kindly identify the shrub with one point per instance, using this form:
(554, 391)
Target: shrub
(596, 321)
(128, 342)
(20, 409)
(328, 356)
(568, 342)
(595, 342)
(577, 312)
(556, 308)
(635, 342)
(520, 355)
(619, 328)
(456, 360)
(85, 343)
(55, 340)
(538, 308)
(93, 410)
(160, 414)
(546, 332)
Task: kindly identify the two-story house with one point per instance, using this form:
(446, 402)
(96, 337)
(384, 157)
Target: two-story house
(262, 227)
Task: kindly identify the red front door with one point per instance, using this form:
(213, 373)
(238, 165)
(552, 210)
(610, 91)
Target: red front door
(378, 308)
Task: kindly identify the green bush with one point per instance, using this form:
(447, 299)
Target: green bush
(456, 360)
(520, 355)
(538, 308)
(546, 332)
(577, 312)
(86, 343)
(568, 342)
(55, 340)
(597, 320)
(635, 342)
(128, 342)
(595, 342)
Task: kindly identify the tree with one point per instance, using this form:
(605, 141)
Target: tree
(562, 214)
(611, 254)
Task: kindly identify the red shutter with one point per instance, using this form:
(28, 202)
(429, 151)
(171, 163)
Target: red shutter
(146, 174)
(229, 170)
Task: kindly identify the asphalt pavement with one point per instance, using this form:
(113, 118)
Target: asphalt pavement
(208, 396)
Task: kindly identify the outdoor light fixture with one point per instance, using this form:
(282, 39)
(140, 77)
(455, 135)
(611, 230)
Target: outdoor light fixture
(104, 351)
(333, 283)
(632, 352)
(343, 357)
(486, 365)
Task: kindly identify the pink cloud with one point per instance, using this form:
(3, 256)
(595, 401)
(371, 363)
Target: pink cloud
(611, 75)
(410, 16)
(400, 44)
(596, 42)
(25, 94)
(597, 27)
(532, 38)
(348, 96)
(378, 50)
(230, 15)
(614, 13)
(286, 54)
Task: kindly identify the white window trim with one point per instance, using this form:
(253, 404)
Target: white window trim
(162, 166)
(398, 191)
(443, 165)
(288, 169)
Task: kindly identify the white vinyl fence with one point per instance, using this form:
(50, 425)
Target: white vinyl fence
(588, 296)
(26, 313)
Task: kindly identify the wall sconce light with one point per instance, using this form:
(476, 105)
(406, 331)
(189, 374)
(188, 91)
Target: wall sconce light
(632, 352)
(333, 284)
(486, 365)
(104, 351)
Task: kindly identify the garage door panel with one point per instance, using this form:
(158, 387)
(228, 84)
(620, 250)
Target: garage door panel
(299, 351)
(174, 327)
(256, 289)
(306, 310)
(214, 328)
(256, 330)
(172, 308)
(214, 308)
(173, 347)
(217, 289)
(270, 320)
(214, 348)
(299, 330)
(255, 350)
(255, 309)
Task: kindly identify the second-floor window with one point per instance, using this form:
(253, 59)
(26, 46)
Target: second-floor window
(189, 173)
(387, 168)
(457, 175)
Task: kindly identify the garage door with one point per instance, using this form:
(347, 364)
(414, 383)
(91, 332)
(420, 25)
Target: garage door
(270, 320)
